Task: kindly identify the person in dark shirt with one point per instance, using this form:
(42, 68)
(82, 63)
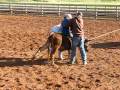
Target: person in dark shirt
(65, 34)
(65, 30)
(76, 26)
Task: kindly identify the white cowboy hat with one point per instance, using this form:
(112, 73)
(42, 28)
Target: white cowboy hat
(68, 16)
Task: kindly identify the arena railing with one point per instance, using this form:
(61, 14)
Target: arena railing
(93, 11)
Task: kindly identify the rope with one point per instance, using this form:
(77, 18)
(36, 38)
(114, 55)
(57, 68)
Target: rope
(20, 54)
(104, 35)
(31, 52)
(11, 51)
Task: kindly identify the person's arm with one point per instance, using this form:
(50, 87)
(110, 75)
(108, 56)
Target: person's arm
(81, 23)
(69, 25)
(70, 33)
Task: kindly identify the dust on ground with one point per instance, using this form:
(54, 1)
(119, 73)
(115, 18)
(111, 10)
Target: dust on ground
(21, 36)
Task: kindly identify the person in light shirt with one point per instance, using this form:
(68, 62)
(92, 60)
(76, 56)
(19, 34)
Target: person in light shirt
(76, 26)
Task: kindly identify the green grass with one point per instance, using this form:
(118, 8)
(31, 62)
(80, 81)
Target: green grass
(111, 2)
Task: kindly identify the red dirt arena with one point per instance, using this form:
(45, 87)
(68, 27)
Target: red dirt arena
(21, 36)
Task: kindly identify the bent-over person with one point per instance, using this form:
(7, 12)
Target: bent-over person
(66, 41)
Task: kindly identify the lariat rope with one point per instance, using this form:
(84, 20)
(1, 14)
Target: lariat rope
(103, 35)
(90, 40)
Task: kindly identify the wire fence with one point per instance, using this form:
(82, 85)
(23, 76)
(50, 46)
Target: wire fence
(91, 11)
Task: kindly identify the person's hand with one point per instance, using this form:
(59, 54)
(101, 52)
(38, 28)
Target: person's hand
(71, 35)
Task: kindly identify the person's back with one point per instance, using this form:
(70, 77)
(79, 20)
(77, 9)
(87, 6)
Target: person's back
(76, 25)
(65, 30)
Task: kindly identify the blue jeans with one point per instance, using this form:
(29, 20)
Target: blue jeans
(78, 42)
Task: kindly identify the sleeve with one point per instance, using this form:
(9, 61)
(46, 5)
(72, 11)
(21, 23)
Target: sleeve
(68, 24)
(65, 22)
(81, 23)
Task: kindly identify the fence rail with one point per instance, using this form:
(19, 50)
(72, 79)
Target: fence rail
(94, 11)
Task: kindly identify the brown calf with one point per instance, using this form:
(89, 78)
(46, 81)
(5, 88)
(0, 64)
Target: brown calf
(57, 42)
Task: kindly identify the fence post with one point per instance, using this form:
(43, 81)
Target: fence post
(96, 13)
(76, 9)
(26, 11)
(69, 8)
(59, 10)
(105, 10)
(86, 8)
(42, 12)
(117, 15)
(10, 8)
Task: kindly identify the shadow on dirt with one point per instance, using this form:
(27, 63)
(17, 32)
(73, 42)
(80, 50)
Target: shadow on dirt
(11, 62)
(109, 45)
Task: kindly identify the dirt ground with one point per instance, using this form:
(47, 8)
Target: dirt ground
(21, 36)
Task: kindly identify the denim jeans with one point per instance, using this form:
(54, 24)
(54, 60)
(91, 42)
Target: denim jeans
(78, 42)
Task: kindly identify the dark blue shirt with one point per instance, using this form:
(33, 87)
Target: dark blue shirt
(65, 30)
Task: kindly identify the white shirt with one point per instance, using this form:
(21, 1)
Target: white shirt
(57, 28)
